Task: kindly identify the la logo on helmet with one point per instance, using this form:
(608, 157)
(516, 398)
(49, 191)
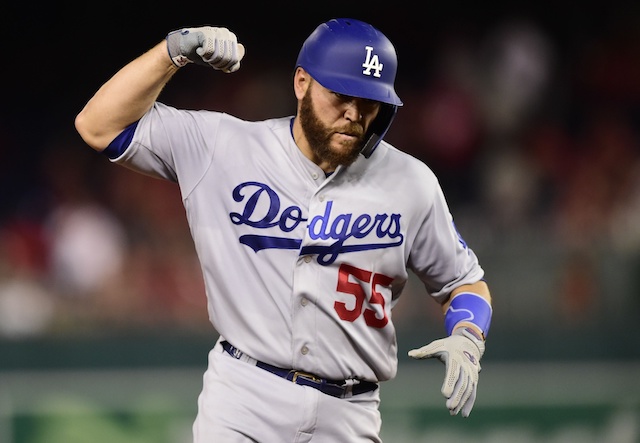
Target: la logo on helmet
(372, 62)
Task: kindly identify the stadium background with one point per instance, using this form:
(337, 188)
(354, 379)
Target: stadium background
(528, 113)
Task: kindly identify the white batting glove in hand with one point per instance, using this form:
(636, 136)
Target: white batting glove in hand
(461, 353)
(208, 46)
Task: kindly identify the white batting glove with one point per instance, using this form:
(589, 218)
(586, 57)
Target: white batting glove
(208, 46)
(461, 353)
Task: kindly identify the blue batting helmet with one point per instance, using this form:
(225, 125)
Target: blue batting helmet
(353, 58)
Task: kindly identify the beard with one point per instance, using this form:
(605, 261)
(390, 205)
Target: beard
(319, 137)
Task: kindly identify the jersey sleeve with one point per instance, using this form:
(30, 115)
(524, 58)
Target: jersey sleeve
(440, 257)
(163, 132)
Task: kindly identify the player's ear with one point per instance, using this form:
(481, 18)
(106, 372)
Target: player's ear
(301, 82)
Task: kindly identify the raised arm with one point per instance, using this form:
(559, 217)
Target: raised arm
(125, 97)
(131, 92)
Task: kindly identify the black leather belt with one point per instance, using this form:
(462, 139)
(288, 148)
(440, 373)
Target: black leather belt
(335, 388)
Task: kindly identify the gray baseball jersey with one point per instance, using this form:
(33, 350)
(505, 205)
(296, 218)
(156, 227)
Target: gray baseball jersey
(302, 270)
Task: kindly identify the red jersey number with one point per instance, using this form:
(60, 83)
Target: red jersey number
(355, 289)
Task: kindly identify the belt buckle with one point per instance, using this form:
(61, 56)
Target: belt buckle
(305, 375)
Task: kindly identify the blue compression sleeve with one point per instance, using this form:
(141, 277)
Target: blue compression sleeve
(120, 144)
(471, 308)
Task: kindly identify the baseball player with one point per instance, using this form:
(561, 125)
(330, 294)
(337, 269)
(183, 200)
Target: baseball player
(306, 228)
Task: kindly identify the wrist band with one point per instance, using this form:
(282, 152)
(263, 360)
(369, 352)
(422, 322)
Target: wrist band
(470, 308)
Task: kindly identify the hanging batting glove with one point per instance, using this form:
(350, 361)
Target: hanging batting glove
(207, 46)
(461, 353)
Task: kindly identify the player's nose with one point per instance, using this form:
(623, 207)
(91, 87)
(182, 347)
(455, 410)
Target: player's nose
(353, 111)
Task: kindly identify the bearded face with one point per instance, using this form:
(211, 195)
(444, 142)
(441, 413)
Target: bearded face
(325, 141)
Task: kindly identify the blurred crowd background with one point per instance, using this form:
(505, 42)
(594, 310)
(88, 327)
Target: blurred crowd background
(530, 116)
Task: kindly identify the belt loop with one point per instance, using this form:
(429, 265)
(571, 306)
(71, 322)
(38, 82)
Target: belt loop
(238, 354)
(348, 387)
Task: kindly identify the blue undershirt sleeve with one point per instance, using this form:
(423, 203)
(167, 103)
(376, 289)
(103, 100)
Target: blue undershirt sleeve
(120, 144)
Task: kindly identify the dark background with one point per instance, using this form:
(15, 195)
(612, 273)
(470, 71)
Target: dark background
(57, 55)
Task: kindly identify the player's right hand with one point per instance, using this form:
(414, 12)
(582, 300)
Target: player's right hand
(208, 46)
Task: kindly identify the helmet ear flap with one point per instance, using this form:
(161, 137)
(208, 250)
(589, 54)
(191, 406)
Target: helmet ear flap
(378, 128)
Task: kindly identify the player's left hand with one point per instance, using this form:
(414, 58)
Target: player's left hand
(207, 46)
(461, 353)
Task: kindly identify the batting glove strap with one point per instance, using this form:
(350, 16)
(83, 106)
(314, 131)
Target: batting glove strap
(461, 353)
(174, 46)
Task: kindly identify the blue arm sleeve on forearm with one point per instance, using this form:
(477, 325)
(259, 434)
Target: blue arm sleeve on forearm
(471, 308)
(120, 144)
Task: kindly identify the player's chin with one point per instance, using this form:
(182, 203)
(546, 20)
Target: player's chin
(345, 154)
